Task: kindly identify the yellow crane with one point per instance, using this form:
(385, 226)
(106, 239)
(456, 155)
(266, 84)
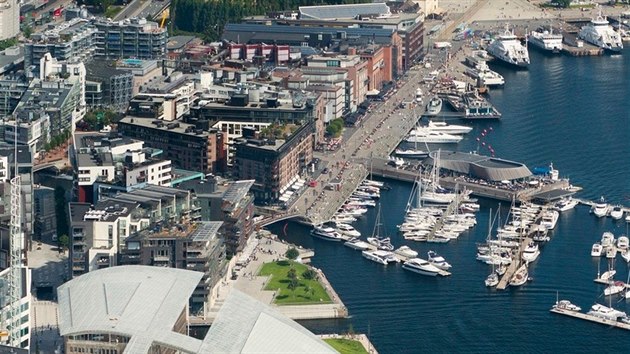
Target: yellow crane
(164, 16)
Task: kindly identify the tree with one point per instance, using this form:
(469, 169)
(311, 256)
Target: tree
(309, 274)
(64, 242)
(292, 274)
(292, 253)
(293, 284)
(60, 211)
(27, 31)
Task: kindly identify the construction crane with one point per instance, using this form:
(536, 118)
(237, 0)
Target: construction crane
(165, 15)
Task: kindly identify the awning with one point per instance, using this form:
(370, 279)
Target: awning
(373, 92)
(283, 198)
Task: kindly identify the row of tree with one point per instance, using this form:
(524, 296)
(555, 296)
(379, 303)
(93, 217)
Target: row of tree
(335, 127)
(207, 18)
(57, 140)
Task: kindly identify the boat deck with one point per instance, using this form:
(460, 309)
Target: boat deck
(591, 318)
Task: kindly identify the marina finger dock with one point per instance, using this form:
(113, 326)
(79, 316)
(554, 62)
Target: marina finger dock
(592, 318)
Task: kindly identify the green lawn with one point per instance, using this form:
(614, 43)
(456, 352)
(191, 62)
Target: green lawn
(346, 346)
(307, 292)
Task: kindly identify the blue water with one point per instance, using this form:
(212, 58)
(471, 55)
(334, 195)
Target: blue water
(574, 112)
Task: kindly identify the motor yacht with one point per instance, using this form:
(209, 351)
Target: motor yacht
(380, 256)
(347, 230)
(565, 204)
(611, 252)
(438, 260)
(600, 209)
(566, 305)
(597, 249)
(549, 219)
(608, 239)
(411, 153)
(443, 127)
(609, 313)
(485, 76)
(425, 135)
(381, 243)
(421, 266)
(599, 33)
(531, 252)
(616, 212)
(406, 251)
(357, 244)
(326, 233)
(369, 182)
(343, 218)
(508, 48)
(520, 277)
(434, 107)
(546, 40)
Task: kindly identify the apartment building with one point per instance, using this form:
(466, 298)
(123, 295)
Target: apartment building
(130, 38)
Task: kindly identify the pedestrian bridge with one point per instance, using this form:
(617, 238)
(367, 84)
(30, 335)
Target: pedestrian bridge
(271, 219)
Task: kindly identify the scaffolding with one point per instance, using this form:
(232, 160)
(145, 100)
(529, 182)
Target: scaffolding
(15, 274)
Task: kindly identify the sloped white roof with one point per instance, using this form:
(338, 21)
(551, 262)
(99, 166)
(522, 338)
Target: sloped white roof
(245, 325)
(344, 11)
(143, 303)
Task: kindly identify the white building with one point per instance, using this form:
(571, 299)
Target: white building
(33, 129)
(9, 19)
(22, 307)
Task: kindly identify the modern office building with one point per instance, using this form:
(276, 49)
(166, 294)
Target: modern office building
(188, 146)
(144, 310)
(9, 19)
(108, 86)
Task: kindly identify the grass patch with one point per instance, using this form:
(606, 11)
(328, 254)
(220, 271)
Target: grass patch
(308, 291)
(346, 346)
(112, 11)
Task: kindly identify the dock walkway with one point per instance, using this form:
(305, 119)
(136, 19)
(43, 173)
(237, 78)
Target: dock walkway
(505, 279)
(585, 316)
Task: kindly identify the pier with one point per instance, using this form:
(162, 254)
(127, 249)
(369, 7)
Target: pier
(505, 279)
(585, 316)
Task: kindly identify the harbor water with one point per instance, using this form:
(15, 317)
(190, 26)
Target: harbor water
(572, 111)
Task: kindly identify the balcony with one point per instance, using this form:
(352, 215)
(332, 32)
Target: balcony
(161, 258)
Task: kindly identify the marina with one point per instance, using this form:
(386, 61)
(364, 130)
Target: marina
(592, 318)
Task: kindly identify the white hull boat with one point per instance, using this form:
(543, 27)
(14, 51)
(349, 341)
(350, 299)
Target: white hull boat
(357, 244)
(599, 33)
(421, 266)
(520, 277)
(380, 256)
(508, 48)
(546, 40)
(434, 107)
(443, 127)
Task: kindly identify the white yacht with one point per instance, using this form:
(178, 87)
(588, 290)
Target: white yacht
(508, 48)
(434, 107)
(623, 242)
(600, 209)
(486, 76)
(411, 153)
(520, 277)
(347, 230)
(418, 95)
(597, 249)
(616, 212)
(608, 239)
(357, 244)
(492, 279)
(565, 204)
(425, 135)
(420, 266)
(326, 233)
(566, 305)
(599, 33)
(443, 127)
(615, 288)
(381, 243)
(550, 219)
(608, 313)
(531, 252)
(343, 217)
(380, 256)
(625, 254)
(438, 261)
(546, 40)
(406, 251)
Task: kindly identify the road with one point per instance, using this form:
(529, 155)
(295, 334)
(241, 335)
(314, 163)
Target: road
(141, 9)
(378, 135)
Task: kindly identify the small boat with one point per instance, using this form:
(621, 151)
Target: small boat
(520, 277)
(608, 239)
(611, 252)
(326, 233)
(616, 212)
(438, 260)
(501, 269)
(615, 288)
(597, 249)
(420, 266)
(565, 204)
(625, 254)
(406, 251)
(531, 252)
(550, 219)
(492, 279)
(434, 107)
(566, 305)
(343, 218)
(600, 209)
(357, 244)
(608, 275)
(411, 153)
(623, 242)
(380, 256)
(469, 207)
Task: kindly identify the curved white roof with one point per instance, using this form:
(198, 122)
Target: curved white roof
(144, 303)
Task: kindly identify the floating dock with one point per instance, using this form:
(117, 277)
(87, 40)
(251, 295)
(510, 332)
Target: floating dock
(505, 279)
(585, 316)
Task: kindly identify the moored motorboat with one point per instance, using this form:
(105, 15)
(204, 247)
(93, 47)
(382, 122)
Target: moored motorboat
(326, 233)
(406, 251)
(438, 260)
(596, 250)
(443, 127)
(357, 244)
(421, 266)
(600, 209)
(615, 288)
(566, 305)
(380, 256)
(531, 252)
(411, 153)
(609, 313)
(492, 279)
(347, 230)
(616, 212)
(549, 219)
(565, 204)
(434, 107)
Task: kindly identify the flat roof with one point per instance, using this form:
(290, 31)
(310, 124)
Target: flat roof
(178, 127)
